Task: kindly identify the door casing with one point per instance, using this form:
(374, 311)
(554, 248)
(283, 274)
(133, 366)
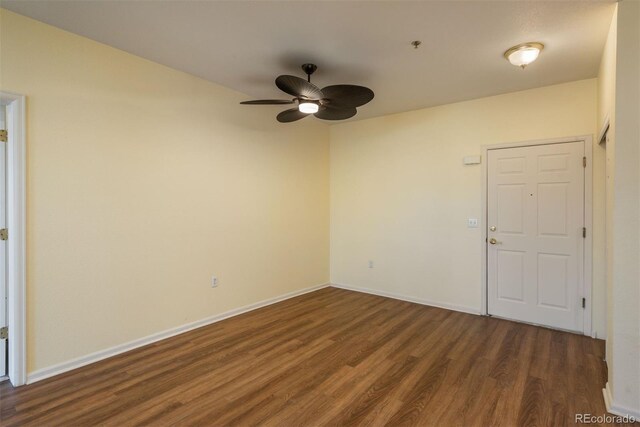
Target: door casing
(16, 244)
(586, 286)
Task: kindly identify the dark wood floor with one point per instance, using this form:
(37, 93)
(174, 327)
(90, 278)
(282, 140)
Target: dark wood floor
(331, 357)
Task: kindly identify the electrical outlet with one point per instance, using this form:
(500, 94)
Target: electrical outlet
(370, 264)
(472, 223)
(214, 282)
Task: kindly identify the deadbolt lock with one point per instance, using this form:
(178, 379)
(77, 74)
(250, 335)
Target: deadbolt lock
(492, 228)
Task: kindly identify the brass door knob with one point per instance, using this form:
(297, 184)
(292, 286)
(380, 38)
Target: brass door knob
(493, 241)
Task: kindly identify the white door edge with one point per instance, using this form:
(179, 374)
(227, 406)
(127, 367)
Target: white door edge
(16, 245)
(587, 283)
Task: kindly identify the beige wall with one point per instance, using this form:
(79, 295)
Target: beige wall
(400, 195)
(624, 326)
(143, 182)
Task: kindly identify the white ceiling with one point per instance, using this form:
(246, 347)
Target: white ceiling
(244, 45)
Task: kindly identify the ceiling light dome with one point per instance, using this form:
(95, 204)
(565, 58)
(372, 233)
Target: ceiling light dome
(308, 107)
(523, 54)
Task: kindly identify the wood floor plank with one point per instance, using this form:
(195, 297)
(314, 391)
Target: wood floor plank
(367, 402)
(331, 357)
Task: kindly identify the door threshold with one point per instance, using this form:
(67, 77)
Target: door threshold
(553, 328)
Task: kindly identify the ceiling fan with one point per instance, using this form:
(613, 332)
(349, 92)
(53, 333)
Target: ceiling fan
(337, 102)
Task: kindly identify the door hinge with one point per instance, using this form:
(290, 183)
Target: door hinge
(4, 333)
(584, 162)
(584, 232)
(584, 302)
(3, 135)
(4, 234)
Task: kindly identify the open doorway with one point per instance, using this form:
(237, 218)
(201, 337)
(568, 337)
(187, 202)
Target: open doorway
(605, 204)
(12, 239)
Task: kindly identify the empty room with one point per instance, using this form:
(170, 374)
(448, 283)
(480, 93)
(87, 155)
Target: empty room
(309, 213)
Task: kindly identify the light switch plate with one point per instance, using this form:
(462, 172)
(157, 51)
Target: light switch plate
(472, 223)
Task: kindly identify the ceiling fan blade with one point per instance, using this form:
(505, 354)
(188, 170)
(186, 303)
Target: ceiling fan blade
(329, 113)
(268, 102)
(347, 95)
(291, 115)
(298, 87)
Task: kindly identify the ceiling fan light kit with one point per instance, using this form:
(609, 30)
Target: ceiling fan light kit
(337, 102)
(523, 54)
(308, 107)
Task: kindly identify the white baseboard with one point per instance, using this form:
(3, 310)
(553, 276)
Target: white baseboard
(614, 409)
(444, 305)
(60, 368)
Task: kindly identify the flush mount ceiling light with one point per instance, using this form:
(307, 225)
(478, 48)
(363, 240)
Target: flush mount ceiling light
(308, 107)
(523, 54)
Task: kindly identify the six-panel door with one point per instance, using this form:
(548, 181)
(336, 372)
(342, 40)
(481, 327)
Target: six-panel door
(535, 245)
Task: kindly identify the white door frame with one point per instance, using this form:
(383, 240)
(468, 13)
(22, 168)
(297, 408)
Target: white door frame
(586, 286)
(16, 244)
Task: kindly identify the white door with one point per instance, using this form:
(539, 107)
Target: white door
(535, 244)
(3, 244)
